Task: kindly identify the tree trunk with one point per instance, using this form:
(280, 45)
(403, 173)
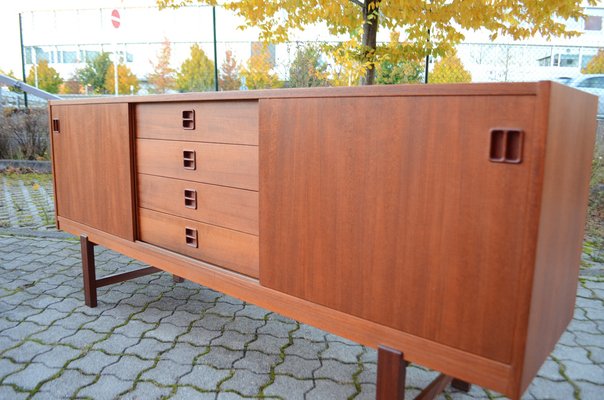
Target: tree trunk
(370, 28)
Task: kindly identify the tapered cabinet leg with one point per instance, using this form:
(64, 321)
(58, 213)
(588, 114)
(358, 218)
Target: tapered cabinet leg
(390, 374)
(88, 271)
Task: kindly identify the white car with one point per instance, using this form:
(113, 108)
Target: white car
(594, 84)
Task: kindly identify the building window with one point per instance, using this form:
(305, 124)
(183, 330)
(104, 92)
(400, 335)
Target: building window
(593, 23)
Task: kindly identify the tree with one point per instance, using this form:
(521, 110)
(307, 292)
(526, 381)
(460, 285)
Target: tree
(596, 64)
(71, 86)
(428, 27)
(127, 81)
(196, 72)
(257, 73)
(229, 73)
(48, 78)
(450, 70)
(94, 74)
(405, 69)
(307, 69)
(162, 77)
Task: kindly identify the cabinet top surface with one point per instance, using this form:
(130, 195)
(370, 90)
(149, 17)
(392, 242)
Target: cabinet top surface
(468, 89)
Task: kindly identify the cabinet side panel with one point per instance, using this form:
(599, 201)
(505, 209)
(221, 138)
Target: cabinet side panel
(93, 171)
(389, 209)
(569, 151)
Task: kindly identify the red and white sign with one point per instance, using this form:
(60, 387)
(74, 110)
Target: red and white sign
(115, 18)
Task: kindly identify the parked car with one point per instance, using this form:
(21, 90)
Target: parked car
(592, 83)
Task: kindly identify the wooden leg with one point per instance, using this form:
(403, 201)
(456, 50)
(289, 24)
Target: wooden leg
(88, 271)
(435, 388)
(461, 385)
(177, 279)
(390, 374)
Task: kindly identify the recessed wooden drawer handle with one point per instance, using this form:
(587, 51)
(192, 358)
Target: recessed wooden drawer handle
(191, 237)
(188, 159)
(506, 146)
(55, 125)
(191, 199)
(188, 119)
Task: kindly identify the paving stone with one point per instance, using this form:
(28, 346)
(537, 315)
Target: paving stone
(183, 353)
(103, 324)
(596, 354)
(31, 376)
(257, 362)
(233, 340)
(23, 330)
(268, 344)
(93, 362)
(367, 392)
(591, 392)
(212, 322)
(195, 307)
(7, 392)
(293, 388)
(166, 372)
(550, 370)
(330, 390)
(298, 367)
(204, 377)
(244, 325)
(277, 328)
(66, 305)
(57, 357)
(221, 358)
(166, 332)
(181, 319)
(148, 348)
(108, 387)
(544, 389)
(369, 373)
(8, 367)
(134, 328)
(306, 349)
(245, 382)
(419, 378)
(576, 354)
(75, 321)
(151, 315)
(167, 304)
(6, 324)
(590, 373)
(225, 309)
(53, 334)
(115, 344)
(47, 317)
(66, 385)
(336, 371)
(82, 338)
(188, 393)
(121, 312)
(136, 300)
(253, 312)
(369, 355)
(26, 351)
(229, 396)
(7, 342)
(342, 352)
(199, 337)
(128, 367)
(309, 333)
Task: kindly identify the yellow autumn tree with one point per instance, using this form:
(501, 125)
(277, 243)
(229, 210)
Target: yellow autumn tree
(127, 82)
(428, 27)
(257, 73)
(450, 69)
(595, 65)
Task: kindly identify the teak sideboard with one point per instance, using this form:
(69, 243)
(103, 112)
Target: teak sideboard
(441, 224)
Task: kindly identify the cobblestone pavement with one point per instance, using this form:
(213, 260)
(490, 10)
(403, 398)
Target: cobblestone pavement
(150, 338)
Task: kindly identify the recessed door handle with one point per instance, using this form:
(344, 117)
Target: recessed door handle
(191, 237)
(188, 159)
(191, 199)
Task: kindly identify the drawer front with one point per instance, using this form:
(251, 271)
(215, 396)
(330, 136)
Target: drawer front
(217, 205)
(219, 164)
(226, 248)
(233, 122)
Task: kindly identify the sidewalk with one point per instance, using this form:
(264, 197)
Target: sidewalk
(150, 338)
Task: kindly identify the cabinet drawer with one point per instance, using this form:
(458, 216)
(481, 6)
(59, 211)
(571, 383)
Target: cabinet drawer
(217, 205)
(233, 122)
(226, 248)
(219, 164)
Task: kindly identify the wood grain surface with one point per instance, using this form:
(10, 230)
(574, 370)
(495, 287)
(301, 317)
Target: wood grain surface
(233, 122)
(227, 248)
(92, 167)
(219, 164)
(389, 209)
(217, 205)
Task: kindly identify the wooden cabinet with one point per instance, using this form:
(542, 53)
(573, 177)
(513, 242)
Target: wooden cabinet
(443, 221)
